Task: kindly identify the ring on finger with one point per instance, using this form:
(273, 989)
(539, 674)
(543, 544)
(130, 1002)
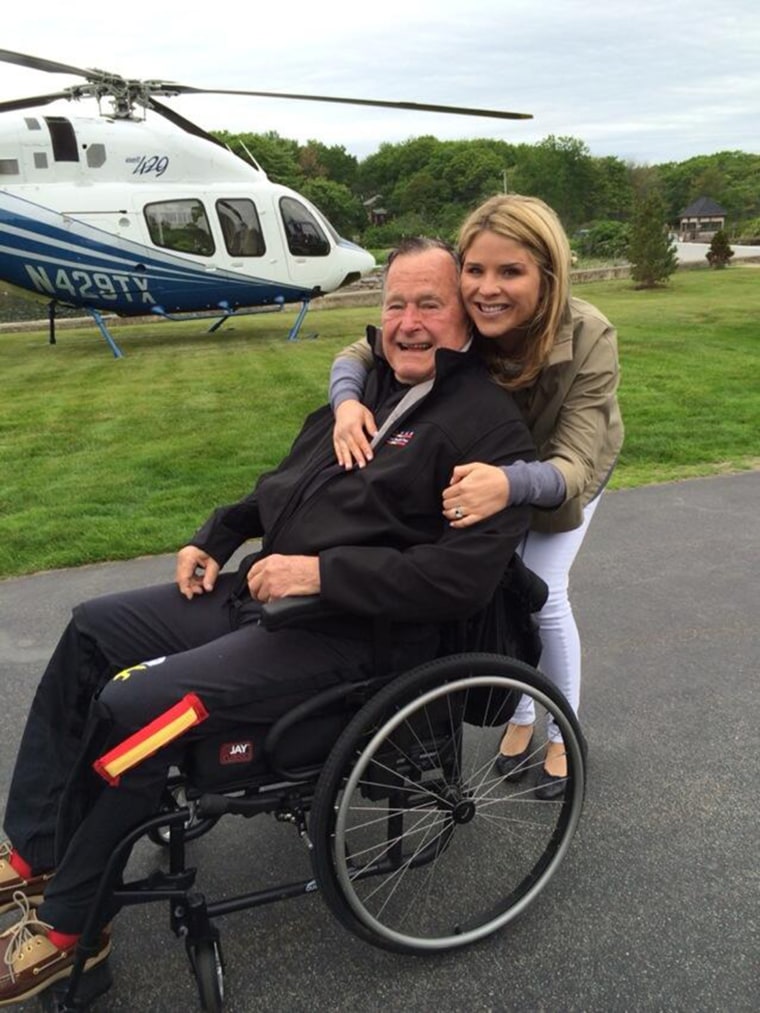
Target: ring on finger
(458, 513)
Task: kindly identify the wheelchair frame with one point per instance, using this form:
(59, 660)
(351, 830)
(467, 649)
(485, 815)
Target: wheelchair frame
(407, 791)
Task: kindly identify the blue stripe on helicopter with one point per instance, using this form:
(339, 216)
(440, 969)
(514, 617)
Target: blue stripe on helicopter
(120, 275)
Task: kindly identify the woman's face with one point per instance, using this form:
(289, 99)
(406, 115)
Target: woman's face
(501, 285)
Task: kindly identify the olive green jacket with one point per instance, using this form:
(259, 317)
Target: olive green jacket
(572, 411)
(573, 414)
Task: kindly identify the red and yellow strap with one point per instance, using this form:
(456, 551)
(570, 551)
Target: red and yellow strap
(148, 740)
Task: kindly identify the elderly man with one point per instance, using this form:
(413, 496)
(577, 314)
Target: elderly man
(165, 667)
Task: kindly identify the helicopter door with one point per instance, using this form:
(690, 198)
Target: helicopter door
(307, 244)
(241, 228)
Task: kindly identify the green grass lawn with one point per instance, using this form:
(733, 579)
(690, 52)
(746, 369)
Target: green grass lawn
(110, 459)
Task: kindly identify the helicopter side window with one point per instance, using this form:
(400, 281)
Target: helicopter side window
(63, 139)
(180, 225)
(304, 233)
(241, 228)
(96, 155)
(8, 167)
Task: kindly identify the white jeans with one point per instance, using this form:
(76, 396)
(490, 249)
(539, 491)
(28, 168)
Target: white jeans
(551, 557)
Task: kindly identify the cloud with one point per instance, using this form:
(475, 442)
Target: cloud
(648, 81)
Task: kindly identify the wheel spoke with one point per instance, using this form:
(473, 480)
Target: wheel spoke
(422, 845)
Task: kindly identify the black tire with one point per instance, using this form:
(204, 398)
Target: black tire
(195, 826)
(208, 969)
(419, 844)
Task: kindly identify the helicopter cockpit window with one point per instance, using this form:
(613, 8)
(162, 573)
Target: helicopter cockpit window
(304, 233)
(180, 225)
(241, 228)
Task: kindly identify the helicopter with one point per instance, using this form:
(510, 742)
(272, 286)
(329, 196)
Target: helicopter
(139, 211)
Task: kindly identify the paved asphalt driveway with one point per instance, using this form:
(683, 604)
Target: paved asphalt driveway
(655, 907)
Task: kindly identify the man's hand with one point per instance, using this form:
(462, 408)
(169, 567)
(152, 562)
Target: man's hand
(196, 571)
(476, 491)
(353, 424)
(277, 576)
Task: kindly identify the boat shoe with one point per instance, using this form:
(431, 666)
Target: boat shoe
(11, 882)
(29, 962)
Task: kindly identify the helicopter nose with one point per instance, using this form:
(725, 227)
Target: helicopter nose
(356, 262)
(362, 259)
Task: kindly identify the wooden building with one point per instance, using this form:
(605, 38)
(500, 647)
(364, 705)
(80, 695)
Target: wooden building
(701, 220)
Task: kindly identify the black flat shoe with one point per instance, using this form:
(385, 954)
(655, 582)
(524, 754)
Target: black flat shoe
(548, 786)
(512, 768)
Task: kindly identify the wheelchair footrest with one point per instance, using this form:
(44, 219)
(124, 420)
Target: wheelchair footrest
(93, 984)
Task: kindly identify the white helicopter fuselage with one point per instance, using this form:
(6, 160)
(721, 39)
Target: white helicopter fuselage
(124, 216)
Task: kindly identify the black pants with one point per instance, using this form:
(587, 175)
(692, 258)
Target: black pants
(60, 814)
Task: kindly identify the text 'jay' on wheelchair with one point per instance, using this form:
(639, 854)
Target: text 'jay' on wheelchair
(353, 679)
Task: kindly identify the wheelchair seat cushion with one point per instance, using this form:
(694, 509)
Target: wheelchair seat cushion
(237, 757)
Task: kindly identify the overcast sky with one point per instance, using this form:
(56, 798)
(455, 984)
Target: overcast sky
(646, 81)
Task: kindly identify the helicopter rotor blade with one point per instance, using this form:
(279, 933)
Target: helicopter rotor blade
(180, 121)
(27, 103)
(498, 114)
(37, 63)
(103, 81)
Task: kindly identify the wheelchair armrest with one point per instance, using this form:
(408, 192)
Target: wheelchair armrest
(284, 612)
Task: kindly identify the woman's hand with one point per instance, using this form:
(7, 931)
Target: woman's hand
(354, 428)
(477, 491)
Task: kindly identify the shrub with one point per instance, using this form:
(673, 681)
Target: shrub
(606, 240)
(720, 252)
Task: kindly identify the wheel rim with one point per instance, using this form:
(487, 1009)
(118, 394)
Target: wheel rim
(432, 848)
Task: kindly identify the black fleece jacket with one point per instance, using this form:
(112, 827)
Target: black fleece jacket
(384, 547)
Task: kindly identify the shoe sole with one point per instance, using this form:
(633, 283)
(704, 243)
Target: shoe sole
(65, 972)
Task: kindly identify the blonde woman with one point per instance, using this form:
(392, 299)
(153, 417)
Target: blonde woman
(558, 355)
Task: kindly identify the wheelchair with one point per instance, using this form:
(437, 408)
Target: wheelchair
(417, 844)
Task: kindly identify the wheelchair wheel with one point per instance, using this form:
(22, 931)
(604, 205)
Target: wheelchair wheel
(196, 826)
(419, 844)
(208, 969)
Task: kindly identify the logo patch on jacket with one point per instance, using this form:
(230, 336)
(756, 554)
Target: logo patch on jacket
(235, 752)
(401, 438)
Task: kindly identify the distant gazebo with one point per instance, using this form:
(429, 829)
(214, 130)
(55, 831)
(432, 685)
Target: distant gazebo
(376, 214)
(701, 220)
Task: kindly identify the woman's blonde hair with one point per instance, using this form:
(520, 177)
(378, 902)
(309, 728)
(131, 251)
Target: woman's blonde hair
(533, 224)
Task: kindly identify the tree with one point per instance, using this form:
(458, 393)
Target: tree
(277, 156)
(613, 189)
(652, 252)
(561, 171)
(420, 192)
(337, 204)
(334, 162)
(720, 252)
(605, 239)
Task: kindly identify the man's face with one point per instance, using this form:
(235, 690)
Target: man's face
(422, 311)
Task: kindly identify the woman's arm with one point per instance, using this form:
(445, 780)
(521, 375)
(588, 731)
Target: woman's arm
(480, 490)
(579, 445)
(354, 424)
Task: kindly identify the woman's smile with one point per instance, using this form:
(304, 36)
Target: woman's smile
(501, 285)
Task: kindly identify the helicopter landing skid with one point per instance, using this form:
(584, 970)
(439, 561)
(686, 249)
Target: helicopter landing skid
(97, 316)
(227, 312)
